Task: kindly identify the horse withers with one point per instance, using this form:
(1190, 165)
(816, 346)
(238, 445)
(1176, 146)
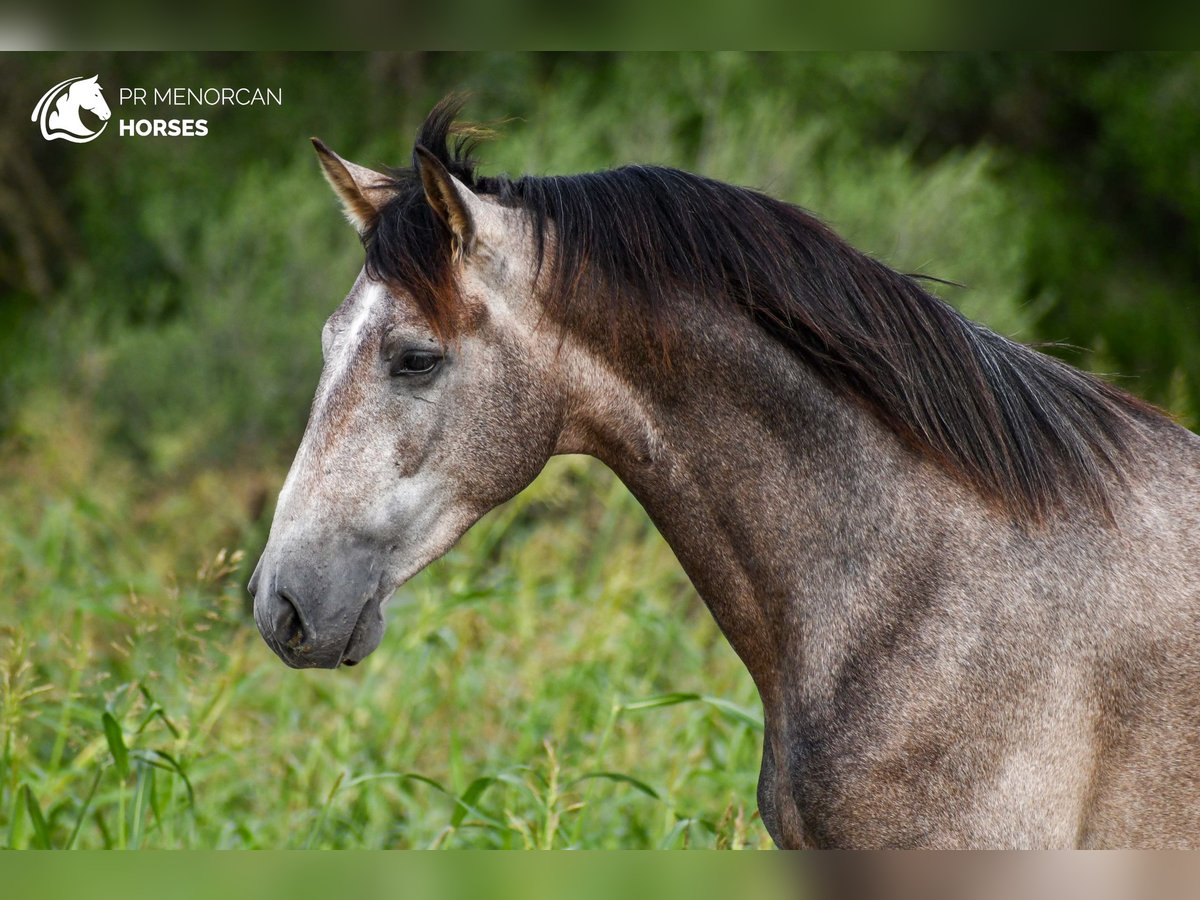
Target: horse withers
(962, 574)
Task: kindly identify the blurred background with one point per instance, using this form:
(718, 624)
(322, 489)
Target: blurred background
(554, 681)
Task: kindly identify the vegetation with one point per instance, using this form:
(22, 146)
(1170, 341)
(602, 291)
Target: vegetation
(554, 681)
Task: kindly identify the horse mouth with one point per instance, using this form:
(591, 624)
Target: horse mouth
(368, 631)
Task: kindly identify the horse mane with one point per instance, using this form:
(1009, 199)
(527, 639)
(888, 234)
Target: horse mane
(1024, 428)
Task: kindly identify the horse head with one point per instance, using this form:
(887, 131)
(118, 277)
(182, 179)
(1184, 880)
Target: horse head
(87, 94)
(432, 408)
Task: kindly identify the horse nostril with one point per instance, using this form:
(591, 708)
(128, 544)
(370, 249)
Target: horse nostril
(289, 629)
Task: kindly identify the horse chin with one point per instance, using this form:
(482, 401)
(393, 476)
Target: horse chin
(367, 634)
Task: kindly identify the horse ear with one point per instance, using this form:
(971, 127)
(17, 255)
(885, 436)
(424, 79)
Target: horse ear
(363, 191)
(450, 198)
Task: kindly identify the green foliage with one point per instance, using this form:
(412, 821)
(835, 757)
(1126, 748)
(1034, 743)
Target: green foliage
(518, 700)
(554, 681)
(1099, 151)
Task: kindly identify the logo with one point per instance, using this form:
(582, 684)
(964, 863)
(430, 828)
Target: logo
(57, 113)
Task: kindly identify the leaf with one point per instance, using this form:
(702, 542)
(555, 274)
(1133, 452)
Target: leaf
(320, 824)
(731, 710)
(668, 843)
(619, 776)
(154, 711)
(145, 775)
(735, 712)
(375, 776)
(513, 781)
(661, 700)
(425, 779)
(165, 761)
(41, 831)
(466, 803)
(116, 745)
(156, 802)
(83, 809)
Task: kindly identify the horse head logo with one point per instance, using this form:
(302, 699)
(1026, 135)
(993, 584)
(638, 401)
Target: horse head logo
(57, 113)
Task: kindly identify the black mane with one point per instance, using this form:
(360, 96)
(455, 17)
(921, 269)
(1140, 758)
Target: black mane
(1024, 428)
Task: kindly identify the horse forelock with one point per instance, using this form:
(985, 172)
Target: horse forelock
(1025, 429)
(407, 245)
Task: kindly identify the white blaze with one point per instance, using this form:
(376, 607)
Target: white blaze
(348, 343)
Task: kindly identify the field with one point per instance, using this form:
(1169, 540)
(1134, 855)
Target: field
(554, 681)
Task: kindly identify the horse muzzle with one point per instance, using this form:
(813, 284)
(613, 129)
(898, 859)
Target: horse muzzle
(319, 615)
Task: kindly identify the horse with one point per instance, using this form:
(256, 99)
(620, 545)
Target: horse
(62, 121)
(962, 573)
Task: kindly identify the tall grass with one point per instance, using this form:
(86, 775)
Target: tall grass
(553, 682)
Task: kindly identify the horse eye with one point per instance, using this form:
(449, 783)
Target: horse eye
(416, 362)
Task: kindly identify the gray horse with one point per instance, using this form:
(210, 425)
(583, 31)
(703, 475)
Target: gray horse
(964, 576)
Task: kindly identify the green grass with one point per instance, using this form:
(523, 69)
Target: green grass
(554, 682)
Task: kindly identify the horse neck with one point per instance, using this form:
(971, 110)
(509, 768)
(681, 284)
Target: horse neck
(780, 497)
